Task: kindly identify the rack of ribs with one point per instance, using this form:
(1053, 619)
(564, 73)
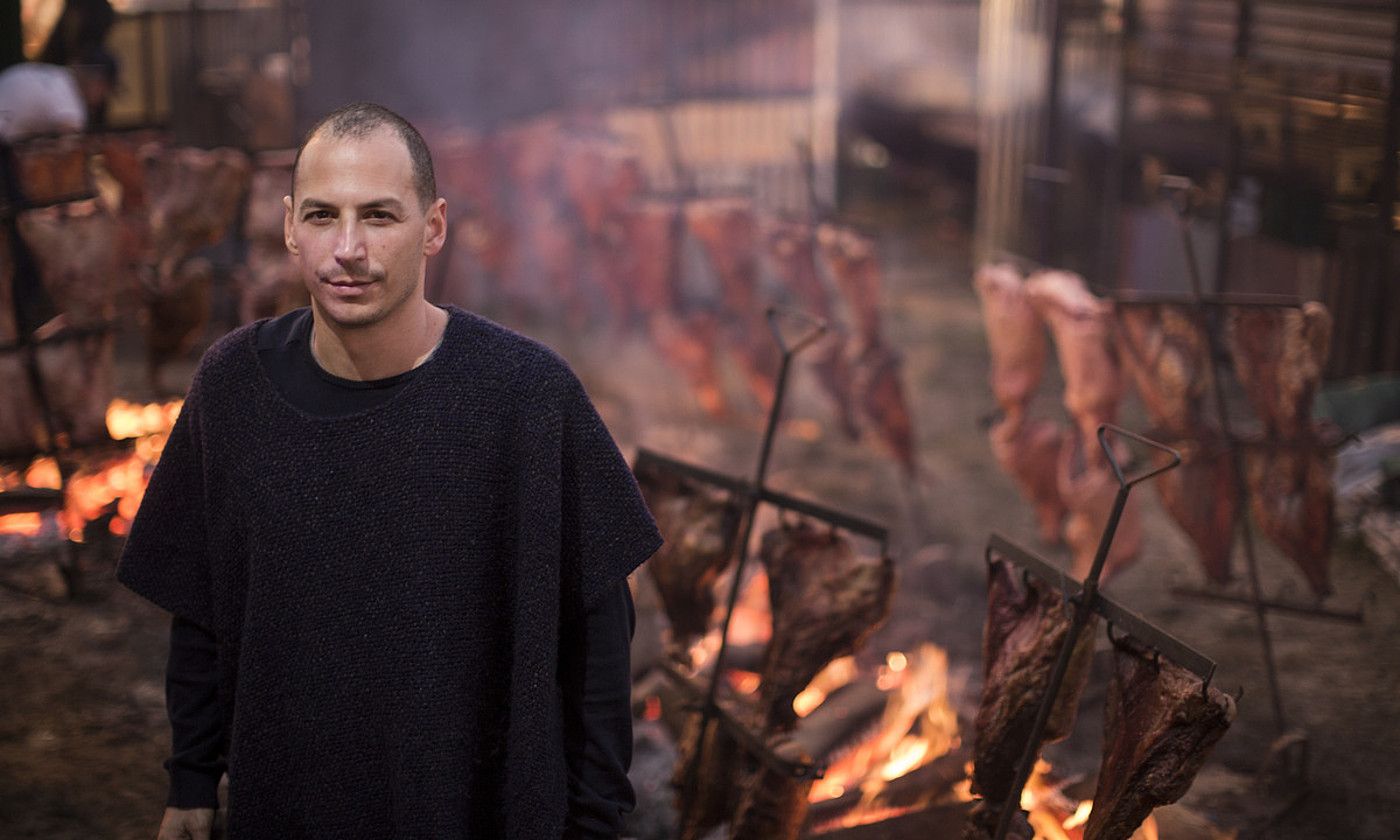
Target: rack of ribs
(1279, 355)
(1291, 498)
(1202, 497)
(826, 600)
(1160, 724)
(1015, 337)
(1166, 354)
(1024, 631)
(1082, 327)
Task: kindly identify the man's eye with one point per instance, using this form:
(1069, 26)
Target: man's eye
(379, 215)
(317, 215)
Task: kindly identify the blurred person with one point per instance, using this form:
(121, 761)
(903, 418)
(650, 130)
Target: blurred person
(394, 539)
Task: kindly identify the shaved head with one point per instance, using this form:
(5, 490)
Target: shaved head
(362, 119)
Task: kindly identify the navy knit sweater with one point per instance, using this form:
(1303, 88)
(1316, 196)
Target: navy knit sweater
(390, 589)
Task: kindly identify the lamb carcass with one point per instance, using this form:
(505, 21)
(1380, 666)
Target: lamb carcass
(700, 525)
(1029, 452)
(1015, 337)
(826, 600)
(1160, 725)
(882, 403)
(1279, 354)
(1082, 326)
(854, 262)
(1025, 629)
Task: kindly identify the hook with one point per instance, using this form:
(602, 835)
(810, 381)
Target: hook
(818, 328)
(1205, 683)
(1238, 695)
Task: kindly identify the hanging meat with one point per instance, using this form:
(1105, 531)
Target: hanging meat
(789, 246)
(1160, 724)
(1202, 497)
(826, 600)
(650, 234)
(193, 197)
(883, 405)
(773, 805)
(1279, 354)
(1015, 337)
(268, 283)
(1166, 355)
(727, 232)
(714, 796)
(700, 525)
(1082, 326)
(599, 177)
(1088, 489)
(1291, 497)
(854, 262)
(1029, 452)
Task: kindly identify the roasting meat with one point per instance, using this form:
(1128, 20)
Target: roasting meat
(1158, 729)
(1029, 452)
(1166, 354)
(688, 343)
(1088, 489)
(599, 178)
(1081, 325)
(715, 797)
(826, 600)
(81, 260)
(727, 232)
(854, 262)
(1025, 629)
(1015, 337)
(789, 246)
(1202, 497)
(268, 283)
(700, 525)
(52, 170)
(1279, 355)
(883, 405)
(1291, 497)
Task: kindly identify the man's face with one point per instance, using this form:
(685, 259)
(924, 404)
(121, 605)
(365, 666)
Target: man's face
(357, 230)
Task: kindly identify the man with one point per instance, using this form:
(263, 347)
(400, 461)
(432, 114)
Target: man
(394, 539)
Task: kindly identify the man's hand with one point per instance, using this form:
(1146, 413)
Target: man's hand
(186, 824)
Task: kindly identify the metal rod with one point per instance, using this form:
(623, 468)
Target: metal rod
(1303, 610)
(1261, 614)
(1084, 606)
(741, 549)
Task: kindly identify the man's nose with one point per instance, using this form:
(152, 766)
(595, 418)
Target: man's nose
(350, 246)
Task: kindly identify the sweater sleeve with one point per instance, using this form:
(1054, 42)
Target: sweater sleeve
(606, 528)
(596, 682)
(197, 736)
(166, 556)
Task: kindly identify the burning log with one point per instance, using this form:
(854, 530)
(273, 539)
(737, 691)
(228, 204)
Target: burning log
(1015, 338)
(700, 525)
(1161, 724)
(826, 601)
(1024, 632)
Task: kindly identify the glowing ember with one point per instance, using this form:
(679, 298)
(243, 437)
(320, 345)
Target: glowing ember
(113, 486)
(837, 673)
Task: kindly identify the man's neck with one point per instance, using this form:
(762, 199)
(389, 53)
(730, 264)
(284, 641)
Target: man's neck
(388, 348)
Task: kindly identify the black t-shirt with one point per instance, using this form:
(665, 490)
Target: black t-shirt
(597, 667)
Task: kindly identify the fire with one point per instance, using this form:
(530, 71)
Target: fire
(114, 485)
(838, 673)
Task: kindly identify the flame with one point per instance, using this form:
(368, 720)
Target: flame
(115, 485)
(837, 673)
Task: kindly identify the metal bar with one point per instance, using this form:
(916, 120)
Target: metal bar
(1261, 615)
(1303, 610)
(855, 524)
(30, 500)
(1134, 297)
(1244, 21)
(1122, 618)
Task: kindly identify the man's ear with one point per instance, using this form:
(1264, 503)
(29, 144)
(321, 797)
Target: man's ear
(287, 236)
(435, 231)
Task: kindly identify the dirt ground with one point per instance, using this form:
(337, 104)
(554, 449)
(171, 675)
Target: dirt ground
(82, 730)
